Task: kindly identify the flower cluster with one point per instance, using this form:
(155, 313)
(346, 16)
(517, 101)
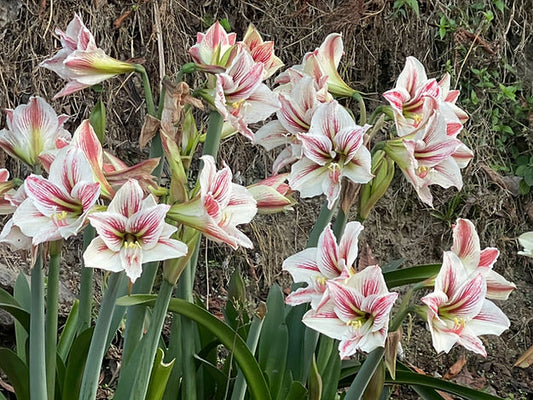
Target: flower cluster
(238, 91)
(347, 305)
(428, 122)
(458, 311)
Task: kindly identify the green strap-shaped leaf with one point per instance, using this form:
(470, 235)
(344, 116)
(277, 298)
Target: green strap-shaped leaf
(69, 332)
(17, 373)
(410, 275)
(75, 364)
(228, 337)
(12, 306)
(413, 378)
(22, 294)
(159, 377)
(365, 374)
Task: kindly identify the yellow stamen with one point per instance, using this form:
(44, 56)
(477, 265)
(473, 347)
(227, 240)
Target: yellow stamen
(60, 216)
(132, 245)
(355, 323)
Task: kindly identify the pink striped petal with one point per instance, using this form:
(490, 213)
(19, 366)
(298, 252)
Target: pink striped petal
(127, 200)
(466, 243)
(111, 227)
(98, 255)
(308, 177)
(131, 258)
(467, 301)
(498, 288)
(147, 225)
(412, 76)
(317, 148)
(348, 248)
(328, 254)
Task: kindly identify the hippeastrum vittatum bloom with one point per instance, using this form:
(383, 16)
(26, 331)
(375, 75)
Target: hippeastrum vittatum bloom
(131, 232)
(220, 206)
(412, 89)
(333, 149)
(315, 266)
(355, 311)
(241, 97)
(457, 310)
(429, 155)
(215, 49)
(80, 62)
(33, 129)
(466, 247)
(272, 194)
(57, 207)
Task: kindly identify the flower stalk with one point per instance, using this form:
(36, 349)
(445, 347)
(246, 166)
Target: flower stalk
(95, 356)
(52, 292)
(38, 390)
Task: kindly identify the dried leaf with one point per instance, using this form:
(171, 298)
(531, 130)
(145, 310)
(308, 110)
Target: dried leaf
(495, 177)
(176, 96)
(366, 258)
(456, 368)
(150, 127)
(526, 359)
(391, 351)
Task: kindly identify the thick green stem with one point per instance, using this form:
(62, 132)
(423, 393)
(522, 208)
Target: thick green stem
(214, 130)
(321, 222)
(37, 331)
(135, 375)
(52, 293)
(188, 332)
(147, 90)
(404, 309)
(91, 374)
(86, 286)
(340, 224)
(150, 342)
(135, 316)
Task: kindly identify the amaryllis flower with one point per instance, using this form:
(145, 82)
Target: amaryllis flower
(430, 156)
(322, 64)
(466, 247)
(526, 241)
(215, 49)
(298, 105)
(57, 207)
(355, 311)
(108, 170)
(219, 208)
(33, 129)
(333, 149)
(80, 62)
(272, 194)
(241, 97)
(131, 232)
(411, 91)
(261, 51)
(458, 311)
(315, 266)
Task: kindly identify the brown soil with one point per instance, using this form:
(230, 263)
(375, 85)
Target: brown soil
(376, 44)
